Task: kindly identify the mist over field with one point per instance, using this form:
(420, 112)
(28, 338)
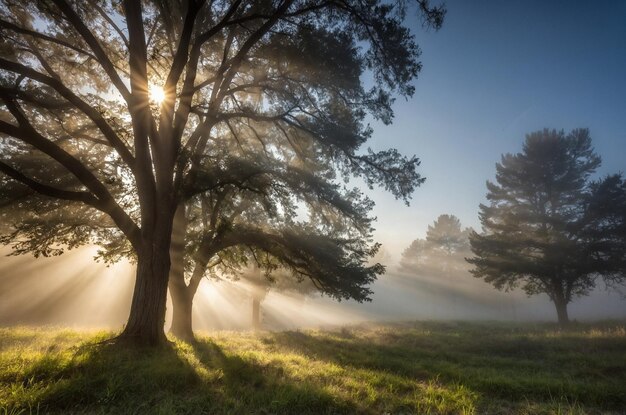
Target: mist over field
(474, 82)
(312, 207)
(75, 291)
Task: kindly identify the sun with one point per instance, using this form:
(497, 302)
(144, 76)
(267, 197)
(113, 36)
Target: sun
(157, 95)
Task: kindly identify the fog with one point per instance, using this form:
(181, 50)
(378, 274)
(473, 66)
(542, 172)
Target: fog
(487, 80)
(73, 290)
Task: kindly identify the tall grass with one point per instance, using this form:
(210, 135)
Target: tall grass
(404, 368)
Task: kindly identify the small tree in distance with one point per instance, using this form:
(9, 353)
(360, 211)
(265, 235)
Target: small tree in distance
(442, 253)
(260, 282)
(545, 229)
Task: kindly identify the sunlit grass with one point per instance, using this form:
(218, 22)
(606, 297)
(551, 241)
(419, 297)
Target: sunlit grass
(419, 368)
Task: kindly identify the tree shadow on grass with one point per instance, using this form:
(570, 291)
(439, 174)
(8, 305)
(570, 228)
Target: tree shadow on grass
(515, 369)
(337, 388)
(249, 387)
(351, 371)
(107, 379)
(181, 378)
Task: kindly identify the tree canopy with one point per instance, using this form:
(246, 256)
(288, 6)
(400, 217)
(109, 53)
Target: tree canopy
(548, 227)
(116, 113)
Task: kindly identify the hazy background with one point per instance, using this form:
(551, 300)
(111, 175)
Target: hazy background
(494, 72)
(72, 290)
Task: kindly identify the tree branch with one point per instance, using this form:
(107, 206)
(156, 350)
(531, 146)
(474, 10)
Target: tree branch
(38, 35)
(106, 203)
(85, 197)
(77, 22)
(75, 100)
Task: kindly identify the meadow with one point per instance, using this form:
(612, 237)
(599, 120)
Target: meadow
(395, 368)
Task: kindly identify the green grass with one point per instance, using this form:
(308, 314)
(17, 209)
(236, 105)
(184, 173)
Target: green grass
(404, 368)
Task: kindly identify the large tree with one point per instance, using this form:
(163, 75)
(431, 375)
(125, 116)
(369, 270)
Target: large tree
(548, 228)
(84, 127)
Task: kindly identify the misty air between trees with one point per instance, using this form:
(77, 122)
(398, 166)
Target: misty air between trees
(219, 139)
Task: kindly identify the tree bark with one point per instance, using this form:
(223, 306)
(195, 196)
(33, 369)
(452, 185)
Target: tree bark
(182, 304)
(182, 295)
(147, 311)
(561, 312)
(182, 301)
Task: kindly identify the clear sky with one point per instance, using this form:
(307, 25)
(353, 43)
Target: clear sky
(496, 71)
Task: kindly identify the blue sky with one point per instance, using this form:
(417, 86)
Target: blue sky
(494, 72)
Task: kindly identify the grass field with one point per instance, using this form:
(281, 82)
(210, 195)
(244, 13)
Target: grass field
(404, 368)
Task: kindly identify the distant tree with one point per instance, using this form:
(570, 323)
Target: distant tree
(443, 251)
(279, 280)
(548, 227)
(87, 145)
(604, 227)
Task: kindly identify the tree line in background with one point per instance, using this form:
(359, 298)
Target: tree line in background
(548, 227)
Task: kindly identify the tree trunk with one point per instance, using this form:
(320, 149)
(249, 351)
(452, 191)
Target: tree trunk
(561, 312)
(256, 313)
(182, 295)
(182, 309)
(182, 301)
(147, 311)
